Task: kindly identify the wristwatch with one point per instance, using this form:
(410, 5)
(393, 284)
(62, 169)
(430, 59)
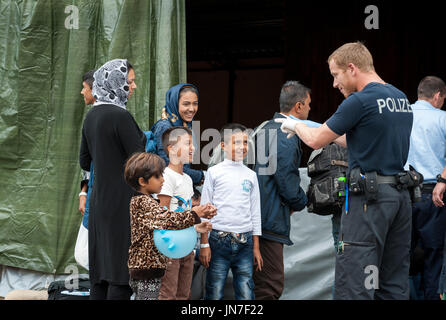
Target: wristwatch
(440, 179)
(204, 245)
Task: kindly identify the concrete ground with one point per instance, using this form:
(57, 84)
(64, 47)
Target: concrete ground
(27, 295)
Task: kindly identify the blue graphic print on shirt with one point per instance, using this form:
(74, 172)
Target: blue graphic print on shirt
(246, 185)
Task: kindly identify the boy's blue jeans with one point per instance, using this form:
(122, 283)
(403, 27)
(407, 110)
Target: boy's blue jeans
(229, 251)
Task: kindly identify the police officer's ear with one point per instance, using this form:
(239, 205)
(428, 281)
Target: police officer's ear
(351, 69)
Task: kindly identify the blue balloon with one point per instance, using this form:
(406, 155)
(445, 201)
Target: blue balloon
(175, 243)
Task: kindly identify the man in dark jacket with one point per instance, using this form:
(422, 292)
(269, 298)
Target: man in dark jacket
(277, 168)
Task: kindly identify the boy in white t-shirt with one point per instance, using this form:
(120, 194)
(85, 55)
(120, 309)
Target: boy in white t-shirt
(233, 242)
(176, 194)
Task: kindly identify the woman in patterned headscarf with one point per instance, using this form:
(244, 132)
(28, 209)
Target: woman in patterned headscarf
(110, 135)
(180, 109)
(112, 83)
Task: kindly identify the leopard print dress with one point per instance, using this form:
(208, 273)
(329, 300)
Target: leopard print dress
(145, 261)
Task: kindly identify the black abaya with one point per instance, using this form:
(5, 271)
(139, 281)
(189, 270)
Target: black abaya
(110, 135)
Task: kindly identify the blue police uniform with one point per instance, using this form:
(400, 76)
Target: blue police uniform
(373, 260)
(427, 154)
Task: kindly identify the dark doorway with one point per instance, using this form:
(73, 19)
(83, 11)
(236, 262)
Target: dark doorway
(240, 52)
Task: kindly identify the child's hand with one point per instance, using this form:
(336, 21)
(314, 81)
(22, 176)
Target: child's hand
(207, 211)
(258, 261)
(211, 211)
(203, 227)
(205, 256)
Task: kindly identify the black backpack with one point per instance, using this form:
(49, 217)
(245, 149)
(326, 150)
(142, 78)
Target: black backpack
(327, 168)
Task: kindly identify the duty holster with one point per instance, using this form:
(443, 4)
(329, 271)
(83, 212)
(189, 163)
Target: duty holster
(355, 181)
(366, 184)
(412, 181)
(371, 186)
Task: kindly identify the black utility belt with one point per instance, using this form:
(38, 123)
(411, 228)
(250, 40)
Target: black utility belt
(358, 183)
(367, 183)
(386, 179)
(428, 188)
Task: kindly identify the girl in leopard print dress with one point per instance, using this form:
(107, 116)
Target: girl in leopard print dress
(144, 173)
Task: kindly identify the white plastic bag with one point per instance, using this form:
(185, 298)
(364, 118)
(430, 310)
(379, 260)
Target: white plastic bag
(81, 248)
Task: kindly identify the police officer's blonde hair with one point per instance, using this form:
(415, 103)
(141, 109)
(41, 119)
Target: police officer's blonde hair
(353, 52)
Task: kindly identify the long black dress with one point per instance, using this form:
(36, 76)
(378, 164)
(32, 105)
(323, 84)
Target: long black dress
(110, 135)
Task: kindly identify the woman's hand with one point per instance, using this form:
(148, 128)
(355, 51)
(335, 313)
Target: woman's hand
(82, 202)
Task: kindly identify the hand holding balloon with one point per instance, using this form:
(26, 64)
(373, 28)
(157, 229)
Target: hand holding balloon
(203, 227)
(179, 243)
(175, 243)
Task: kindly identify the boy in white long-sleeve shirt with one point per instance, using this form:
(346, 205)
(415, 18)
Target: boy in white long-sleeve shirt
(233, 242)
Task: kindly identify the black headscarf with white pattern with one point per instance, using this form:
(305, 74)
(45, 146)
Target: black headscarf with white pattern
(111, 84)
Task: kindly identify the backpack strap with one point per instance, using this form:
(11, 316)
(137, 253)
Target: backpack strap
(259, 128)
(251, 157)
(339, 163)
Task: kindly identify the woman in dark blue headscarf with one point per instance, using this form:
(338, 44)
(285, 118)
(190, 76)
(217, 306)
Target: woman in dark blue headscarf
(180, 109)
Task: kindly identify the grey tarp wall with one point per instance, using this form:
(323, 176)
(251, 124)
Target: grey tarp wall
(45, 47)
(309, 263)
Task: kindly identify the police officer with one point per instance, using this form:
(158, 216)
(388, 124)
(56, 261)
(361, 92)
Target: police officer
(440, 189)
(427, 155)
(374, 122)
(437, 198)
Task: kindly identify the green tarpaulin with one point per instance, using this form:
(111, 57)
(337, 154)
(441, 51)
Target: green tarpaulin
(45, 48)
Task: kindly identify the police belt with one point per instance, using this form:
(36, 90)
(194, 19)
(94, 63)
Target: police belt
(428, 187)
(368, 183)
(386, 179)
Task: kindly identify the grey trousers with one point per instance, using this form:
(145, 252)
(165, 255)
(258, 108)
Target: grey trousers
(374, 257)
